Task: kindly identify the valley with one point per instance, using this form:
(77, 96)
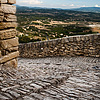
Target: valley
(46, 24)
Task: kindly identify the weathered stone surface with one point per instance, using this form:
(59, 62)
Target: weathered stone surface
(5, 44)
(3, 97)
(9, 17)
(8, 50)
(82, 84)
(1, 79)
(7, 34)
(28, 98)
(3, 1)
(8, 41)
(5, 89)
(1, 15)
(4, 25)
(9, 57)
(0, 9)
(0, 54)
(11, 64)
(36, 87)
(1, 18)
(37, 96)
(12, 49)
(9, 9)
(74, 46)
(12, 1)
(13, 93)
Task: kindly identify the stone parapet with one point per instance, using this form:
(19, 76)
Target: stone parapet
(8, 40)
(84, 45)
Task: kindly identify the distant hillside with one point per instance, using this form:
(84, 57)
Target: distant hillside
(58, 14)
(83, 9)
(88, 9)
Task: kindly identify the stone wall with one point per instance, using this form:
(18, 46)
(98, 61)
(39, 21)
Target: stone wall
(8, 40)
(87, 45)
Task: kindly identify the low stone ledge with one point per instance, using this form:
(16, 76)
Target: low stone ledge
(9, 57)
(86, 45)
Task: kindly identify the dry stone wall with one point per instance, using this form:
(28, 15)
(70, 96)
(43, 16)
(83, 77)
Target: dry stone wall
(87, 45)
(8, 40)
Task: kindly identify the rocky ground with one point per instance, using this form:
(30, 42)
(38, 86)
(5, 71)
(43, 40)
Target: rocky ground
(54, 78)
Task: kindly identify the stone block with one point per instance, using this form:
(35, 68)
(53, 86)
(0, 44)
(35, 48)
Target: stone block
(1, 15)
(9, 57)
(71, 39)
(7, 34)
(12, 49)
(95, 36)
(12, 1)
(11, 64)
(4, 52)
(4, 25)
(3, 1)
(1, 18)
(78, 38)
(5, 44)
(0, 54)
(0, 9)
(9, 17)
(9, 9)
(66, 40)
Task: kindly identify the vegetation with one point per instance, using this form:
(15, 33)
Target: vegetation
(26, 39)
(36, 24)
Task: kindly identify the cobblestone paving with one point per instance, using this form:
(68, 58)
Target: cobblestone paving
(55, 78)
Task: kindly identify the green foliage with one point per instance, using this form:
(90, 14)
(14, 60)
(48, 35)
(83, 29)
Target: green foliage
(35, 40)
(20, 29)
(45, 22)
(24, 39)
(56, 14)
(26, 16)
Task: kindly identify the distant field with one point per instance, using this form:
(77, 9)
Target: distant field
(96, 29)
(43, 24)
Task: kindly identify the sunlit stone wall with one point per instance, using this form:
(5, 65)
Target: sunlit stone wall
(84, 45)
(8, 40)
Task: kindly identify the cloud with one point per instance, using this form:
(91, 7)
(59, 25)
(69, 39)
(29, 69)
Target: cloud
(72, 5)
(97, 6)
(84, 6)
(63, 5)
(29, 2)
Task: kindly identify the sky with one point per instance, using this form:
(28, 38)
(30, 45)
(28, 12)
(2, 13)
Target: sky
(65, 4)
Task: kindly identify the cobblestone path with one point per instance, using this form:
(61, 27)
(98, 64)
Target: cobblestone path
(55, 78)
